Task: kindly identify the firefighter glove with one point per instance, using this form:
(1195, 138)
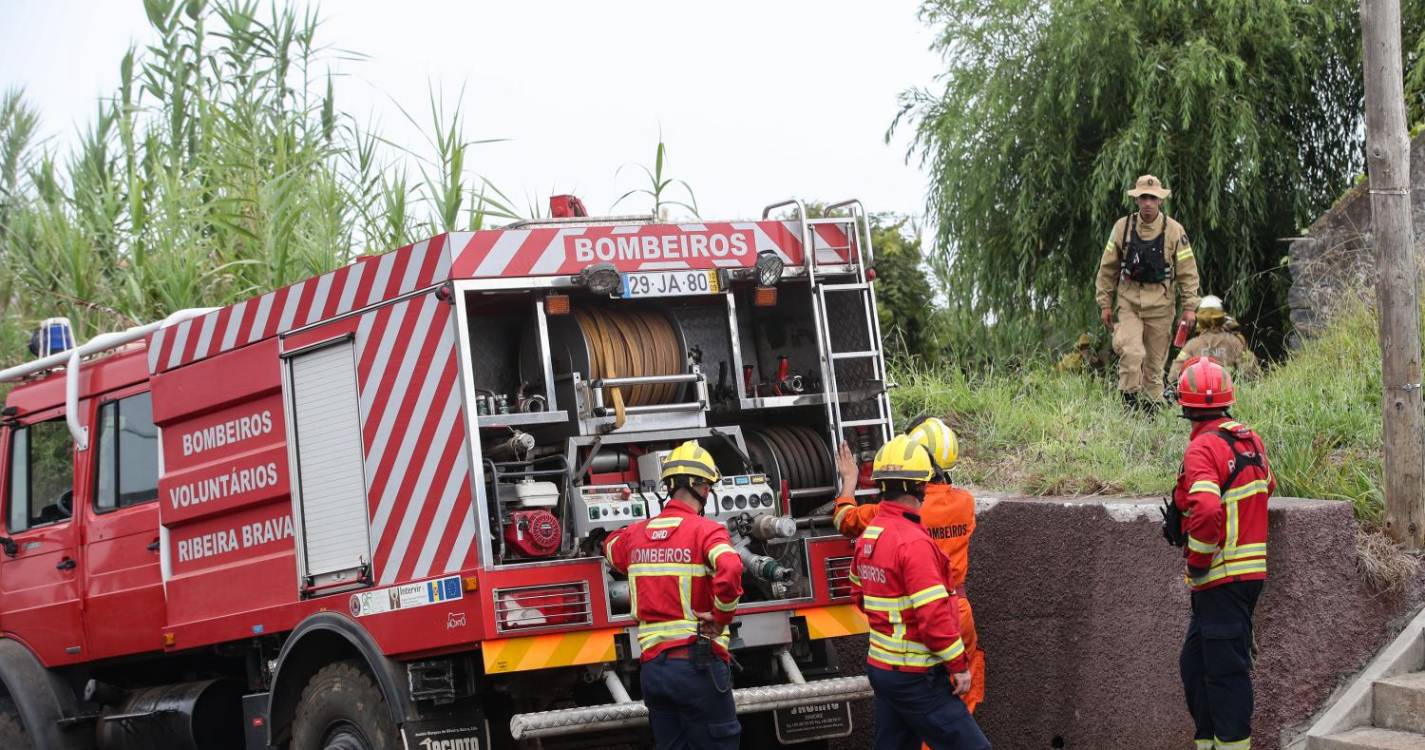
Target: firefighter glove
(1172, 525)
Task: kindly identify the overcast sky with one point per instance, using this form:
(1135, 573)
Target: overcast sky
(757, 101)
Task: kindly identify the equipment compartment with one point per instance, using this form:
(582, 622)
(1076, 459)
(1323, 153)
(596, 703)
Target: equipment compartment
(778, 357)
(506, 331)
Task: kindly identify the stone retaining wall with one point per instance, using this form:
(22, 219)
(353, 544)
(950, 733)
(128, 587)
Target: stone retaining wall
(1081, 609)
(1336, 258)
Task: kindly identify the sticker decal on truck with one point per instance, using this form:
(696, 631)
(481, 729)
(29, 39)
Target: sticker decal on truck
(406, 596)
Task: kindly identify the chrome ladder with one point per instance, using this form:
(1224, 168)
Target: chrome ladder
(856, 228)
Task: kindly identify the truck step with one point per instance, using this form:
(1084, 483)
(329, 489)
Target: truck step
(634, 713)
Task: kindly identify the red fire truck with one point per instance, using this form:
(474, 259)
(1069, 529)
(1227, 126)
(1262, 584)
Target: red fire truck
(364, 510)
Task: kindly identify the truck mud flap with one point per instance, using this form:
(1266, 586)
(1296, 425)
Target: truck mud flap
(634, 713)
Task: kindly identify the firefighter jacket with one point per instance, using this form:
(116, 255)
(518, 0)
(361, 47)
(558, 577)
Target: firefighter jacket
(948, 515)
(1149, 300)
(678, 564)
(1222, 491)
(1080, 360)
(1226, 348)
(900, 579)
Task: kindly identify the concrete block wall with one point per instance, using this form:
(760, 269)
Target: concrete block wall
(1081, 610)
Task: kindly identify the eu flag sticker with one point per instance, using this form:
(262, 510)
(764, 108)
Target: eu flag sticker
(443, 590)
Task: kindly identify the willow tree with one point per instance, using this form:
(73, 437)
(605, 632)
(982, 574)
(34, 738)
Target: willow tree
(1250, 111)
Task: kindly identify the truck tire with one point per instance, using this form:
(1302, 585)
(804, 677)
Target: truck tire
(342, 709)
(12, 730)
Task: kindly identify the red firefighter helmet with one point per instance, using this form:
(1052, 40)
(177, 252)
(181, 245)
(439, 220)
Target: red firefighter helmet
(1205, 384)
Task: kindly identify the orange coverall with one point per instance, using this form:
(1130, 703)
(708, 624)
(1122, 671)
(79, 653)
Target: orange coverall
(948, 513)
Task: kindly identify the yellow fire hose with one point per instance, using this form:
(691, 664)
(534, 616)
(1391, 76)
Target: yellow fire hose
(631, 343)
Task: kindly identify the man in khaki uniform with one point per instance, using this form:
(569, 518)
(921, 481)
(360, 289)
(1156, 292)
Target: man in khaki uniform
(1148, 262)
(1214, 340)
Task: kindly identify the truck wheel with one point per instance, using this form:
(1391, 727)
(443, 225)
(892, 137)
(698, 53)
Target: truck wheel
(342, 709)
(12, 730)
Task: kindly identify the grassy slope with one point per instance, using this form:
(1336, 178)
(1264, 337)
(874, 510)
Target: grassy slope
(1040, 432)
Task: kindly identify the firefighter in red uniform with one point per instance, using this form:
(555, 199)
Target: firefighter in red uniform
(1219, 513)
(901, 580)
(685, 580)
(948, 513)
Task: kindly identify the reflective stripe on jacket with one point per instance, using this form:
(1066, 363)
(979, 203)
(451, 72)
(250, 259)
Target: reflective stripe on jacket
(1226, 348)
(678, 564)
(902, 582)
(1226, 525)
(948, 515)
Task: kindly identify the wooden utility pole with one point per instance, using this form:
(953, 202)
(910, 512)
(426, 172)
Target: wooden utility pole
(1397, 290)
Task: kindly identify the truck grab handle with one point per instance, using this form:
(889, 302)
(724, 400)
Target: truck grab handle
(691, 377)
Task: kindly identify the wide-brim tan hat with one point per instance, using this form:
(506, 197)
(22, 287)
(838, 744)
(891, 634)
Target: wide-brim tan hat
(1149, 185)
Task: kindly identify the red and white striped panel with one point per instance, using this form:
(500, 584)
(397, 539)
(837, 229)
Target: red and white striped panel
(636, 247)
(413, 431)
(365, 282)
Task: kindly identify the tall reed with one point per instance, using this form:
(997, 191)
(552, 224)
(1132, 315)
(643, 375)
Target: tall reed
(222, 166)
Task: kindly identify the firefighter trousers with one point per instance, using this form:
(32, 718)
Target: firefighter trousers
(690, 705)
(971, 638)
(1216, 665)
(1141, 339)
(914, 707)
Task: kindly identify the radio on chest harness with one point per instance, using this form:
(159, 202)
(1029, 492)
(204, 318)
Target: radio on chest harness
(1144, 260)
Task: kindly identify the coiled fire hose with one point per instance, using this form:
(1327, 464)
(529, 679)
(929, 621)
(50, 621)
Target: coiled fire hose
(799, 453)
(631, 343)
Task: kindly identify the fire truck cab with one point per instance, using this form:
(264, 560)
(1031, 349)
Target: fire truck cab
(366, 509)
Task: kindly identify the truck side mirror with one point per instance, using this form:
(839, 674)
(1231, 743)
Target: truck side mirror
(8, 544)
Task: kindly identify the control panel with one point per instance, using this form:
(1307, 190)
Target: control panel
(608, 507)
(742, 493)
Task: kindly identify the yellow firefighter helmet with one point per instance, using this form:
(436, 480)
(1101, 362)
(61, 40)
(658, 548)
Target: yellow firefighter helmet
(902, 459)
(690, 459)
(939, 441)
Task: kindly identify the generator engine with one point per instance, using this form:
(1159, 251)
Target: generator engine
(530, 529)
(532, 533)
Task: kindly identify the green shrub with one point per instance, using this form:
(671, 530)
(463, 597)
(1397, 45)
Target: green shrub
(1039, 432)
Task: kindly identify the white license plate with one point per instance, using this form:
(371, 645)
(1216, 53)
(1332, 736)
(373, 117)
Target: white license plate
(669, 283)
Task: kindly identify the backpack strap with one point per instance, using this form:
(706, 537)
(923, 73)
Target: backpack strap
(1129, 227)
(1240, 460)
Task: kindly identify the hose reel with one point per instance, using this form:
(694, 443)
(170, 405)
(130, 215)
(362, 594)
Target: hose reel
(601, 342)
(633, 343)
(795, 454)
